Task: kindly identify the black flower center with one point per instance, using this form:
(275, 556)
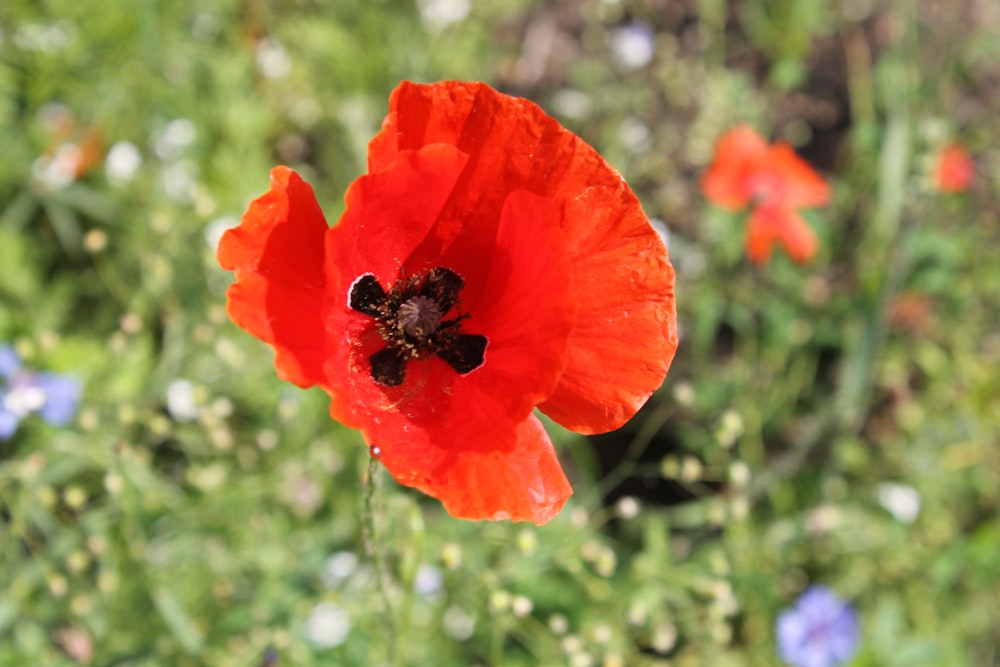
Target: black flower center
(412, 318)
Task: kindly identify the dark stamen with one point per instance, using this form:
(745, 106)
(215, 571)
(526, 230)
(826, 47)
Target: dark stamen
(442, 285)
(367, 296)
(410, 318)
(465, 354)
(388, 366)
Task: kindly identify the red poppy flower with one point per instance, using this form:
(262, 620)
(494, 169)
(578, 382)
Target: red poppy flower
(775, 183)
(73, 151)
(954, 170)
(489, 263)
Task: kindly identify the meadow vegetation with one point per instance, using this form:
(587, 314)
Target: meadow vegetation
(832, 422)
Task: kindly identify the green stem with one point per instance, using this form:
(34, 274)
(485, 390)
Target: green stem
(369, 537)
(496, 643)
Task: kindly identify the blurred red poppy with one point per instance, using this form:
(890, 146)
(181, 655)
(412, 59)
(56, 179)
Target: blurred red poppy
(489, 263)
(954, 169)
(775, 183)
(73, 150)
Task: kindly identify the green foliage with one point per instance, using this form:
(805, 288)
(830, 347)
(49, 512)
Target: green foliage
(199, 511)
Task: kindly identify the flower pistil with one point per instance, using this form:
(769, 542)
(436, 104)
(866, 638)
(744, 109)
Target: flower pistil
(410, 319)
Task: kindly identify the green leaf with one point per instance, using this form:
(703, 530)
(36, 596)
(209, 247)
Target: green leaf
(180, 624)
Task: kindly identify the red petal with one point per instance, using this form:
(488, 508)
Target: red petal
(524, 311)
(625, 335)
(746, 169)
(386, 219)
(799, 184)
(512, 144)
(954, 170)
(739, 153)
(516, 295)
(768, 224)
(389, 214)
(277, 254)
(524, 483)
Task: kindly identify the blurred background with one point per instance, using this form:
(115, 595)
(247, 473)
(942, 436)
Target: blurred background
(831, 423)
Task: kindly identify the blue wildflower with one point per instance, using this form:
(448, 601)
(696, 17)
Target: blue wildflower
(54, 397)
(821, 630)
(270, 657)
